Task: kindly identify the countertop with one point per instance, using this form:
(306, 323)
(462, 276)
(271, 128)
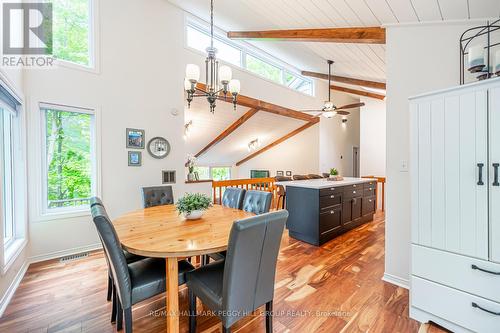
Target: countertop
(323, 183)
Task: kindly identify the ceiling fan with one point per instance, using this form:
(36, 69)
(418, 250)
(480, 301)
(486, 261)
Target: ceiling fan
(329, 109)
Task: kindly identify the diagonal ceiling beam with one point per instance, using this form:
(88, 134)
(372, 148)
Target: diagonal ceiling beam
(225, 133)
(347, 80)
(280, 140)
(264, 106)
(363, 35)
(358, 92)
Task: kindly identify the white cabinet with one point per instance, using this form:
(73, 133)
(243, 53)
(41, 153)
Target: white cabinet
(455, 203)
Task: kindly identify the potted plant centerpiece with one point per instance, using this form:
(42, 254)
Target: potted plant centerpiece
(192, 205)
(334, 175)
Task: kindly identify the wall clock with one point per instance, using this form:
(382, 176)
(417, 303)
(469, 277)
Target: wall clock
(158, 147)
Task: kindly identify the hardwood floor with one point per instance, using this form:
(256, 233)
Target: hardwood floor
(333, 288)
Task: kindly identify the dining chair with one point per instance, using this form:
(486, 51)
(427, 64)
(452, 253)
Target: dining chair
(133, 282)
(282, 179)
(281, 194)
(314, 176)
(300, 177)
(257, 202)
(157, 196)
(128, 256)
(234, 288)
(325, 175)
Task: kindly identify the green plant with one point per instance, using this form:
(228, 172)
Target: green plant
(334, 172)
(193, 201)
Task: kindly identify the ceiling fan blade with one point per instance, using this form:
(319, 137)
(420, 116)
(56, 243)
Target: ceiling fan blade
(343, 113)
(351, 106)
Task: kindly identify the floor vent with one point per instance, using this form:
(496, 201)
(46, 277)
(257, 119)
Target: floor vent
(74, 257)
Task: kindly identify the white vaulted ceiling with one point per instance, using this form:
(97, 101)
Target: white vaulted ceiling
(354, 60)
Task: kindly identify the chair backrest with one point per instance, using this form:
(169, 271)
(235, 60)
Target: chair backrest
(157, 196)
(258, 202)
(114, 254)
(314, 176)
(250, 264)
(233, 197)
(283, 179)
(280, 190)
(300, 177)
(95, 201)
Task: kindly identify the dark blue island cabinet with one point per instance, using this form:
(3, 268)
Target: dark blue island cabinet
(320, 211)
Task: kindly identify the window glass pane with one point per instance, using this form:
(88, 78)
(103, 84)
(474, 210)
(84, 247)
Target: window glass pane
(200, 41)
(298, 83)
(7, 174)
(203, 172)
(71, 30)
(263, 68)
(221, 173)
(68, 158)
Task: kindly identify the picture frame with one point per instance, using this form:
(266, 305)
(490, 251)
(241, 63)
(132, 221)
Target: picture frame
(135, 138)
(280, 173)
(289, 174)
(134, 158)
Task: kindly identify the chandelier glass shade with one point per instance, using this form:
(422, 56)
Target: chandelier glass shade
(219, 81)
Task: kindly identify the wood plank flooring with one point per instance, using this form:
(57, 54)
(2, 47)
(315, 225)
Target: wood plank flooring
(333, 288)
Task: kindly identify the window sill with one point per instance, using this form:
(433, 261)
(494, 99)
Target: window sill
(12, 252)
(62, 215)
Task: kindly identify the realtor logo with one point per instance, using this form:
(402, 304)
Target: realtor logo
(27, 28)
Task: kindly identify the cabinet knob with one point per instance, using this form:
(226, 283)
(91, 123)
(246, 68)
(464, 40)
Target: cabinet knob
(332, 212)
(353, 185)
(369, 201)
(332, 189)
(354, 192)
(370, 189)
(332, 196)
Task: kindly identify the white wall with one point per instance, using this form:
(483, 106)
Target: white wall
(420, 58)
(337, 140)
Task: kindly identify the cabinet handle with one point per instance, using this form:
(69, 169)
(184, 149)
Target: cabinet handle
(353, 185)
(495, 177)
(480, 167)
(332, 189)
(353, 192)
(370, 189)
(332, 212)
(369, 201)
(332, 196)
(484, 270)
(475, 305)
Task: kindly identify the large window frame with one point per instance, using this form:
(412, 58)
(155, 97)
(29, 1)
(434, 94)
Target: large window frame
(247, 50)
(94, 29)
(46, 213)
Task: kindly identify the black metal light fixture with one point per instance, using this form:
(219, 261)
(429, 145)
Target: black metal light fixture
(219, 80)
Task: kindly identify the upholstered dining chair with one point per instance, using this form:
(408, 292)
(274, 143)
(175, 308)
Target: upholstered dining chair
(157, 196)
(314, 176)
(232, 198)
(133, 282)
(257, 202)
(245, 280)
(129, 257)
(300, 177)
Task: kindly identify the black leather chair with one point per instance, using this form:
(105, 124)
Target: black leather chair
(128, 256)
(133, 282)
(245, 280)
(233, 197)
(258, 202)
(157, 196)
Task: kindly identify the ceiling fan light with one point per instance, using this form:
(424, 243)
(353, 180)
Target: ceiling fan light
(329, 105)
(192, 72)
(329, 114)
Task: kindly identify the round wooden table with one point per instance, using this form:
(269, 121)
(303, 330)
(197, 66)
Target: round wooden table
(160, 232)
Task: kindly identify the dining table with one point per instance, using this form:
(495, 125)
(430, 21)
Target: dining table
(161, 232)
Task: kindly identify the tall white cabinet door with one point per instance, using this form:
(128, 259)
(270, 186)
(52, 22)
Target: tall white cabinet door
(494, 133)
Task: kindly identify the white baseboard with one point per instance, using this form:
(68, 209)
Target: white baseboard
(63, 253)
(400, 282)
(12, 288)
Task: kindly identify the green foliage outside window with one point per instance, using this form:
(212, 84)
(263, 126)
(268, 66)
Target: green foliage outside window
(223, 173)
(264, 69)
(71, 30)
(69, 160)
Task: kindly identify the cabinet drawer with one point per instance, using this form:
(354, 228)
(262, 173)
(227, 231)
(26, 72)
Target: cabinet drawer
(456, 271)
(370, 184)
(330, 220)
(330, 190)
(368, 205)
(455, 306)
(353, 192)
(330, 200)
(369, 191)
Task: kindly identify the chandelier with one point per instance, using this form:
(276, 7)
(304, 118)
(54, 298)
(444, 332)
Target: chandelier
(219, 80)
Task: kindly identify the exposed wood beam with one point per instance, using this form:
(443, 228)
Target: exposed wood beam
(358, 92)
(347, 80)
(228, 131)
(368, 35)
(265, 106)
(280, 140)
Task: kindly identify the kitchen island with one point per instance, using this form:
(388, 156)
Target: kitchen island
(320, 209)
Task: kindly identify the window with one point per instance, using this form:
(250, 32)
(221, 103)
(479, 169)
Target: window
(264, 69)
(70, 161)
(247, 57)
(214, 173)
(72, 30)
(7, 168)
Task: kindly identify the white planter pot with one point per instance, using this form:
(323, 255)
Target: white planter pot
(194, 215)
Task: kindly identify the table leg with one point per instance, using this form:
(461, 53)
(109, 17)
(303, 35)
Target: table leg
(172, 296)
